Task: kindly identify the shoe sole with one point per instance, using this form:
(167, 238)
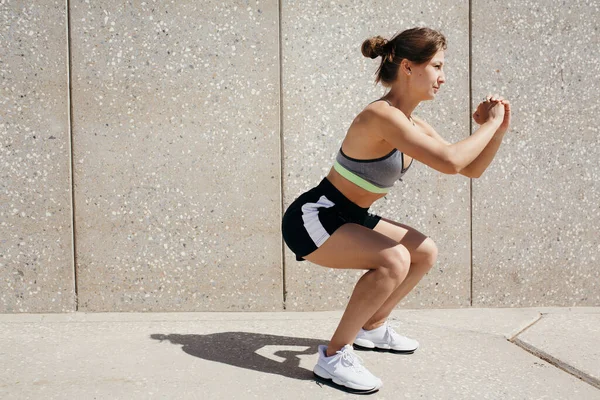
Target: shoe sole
(382, 350)
(329, 380)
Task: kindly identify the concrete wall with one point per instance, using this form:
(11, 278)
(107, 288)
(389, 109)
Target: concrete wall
(147, 150)
(536, 214)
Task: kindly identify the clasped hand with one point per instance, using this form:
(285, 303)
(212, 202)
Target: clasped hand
(494, 107)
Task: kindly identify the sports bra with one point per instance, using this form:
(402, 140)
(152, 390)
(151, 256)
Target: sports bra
(375, 175)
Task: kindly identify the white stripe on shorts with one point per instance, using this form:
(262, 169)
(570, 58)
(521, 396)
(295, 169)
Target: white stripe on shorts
(312, 224)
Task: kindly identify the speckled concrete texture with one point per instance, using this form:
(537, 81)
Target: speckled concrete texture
(536, 210)
(326, 83)
(36, 246)
(463, 354)
(176, 155)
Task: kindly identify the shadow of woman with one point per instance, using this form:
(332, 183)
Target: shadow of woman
(259, 352)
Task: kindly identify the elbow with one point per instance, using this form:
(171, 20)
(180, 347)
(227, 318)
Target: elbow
(470, 174)
(453, 169)
(451, 166)
(454, 166)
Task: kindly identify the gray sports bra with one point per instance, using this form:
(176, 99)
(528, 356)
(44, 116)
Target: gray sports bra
(375, 175)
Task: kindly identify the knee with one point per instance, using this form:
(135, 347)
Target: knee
(430, 252)
(397, 263)
(425, 256)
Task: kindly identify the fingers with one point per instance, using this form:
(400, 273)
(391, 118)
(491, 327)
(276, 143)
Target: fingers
(490, 99)
(493, 97)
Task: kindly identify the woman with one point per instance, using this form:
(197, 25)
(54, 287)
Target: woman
(330, 224)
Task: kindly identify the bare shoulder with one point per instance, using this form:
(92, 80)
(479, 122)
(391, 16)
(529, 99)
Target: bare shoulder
(384, 116)
(373, 117)
(377, 109)
(388, 118)
(362, 139)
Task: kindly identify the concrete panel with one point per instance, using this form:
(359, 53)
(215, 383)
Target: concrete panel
(264, 356)
(571, 342)
(36, 262)
(326, 83)
(535, 211)
(176, 152)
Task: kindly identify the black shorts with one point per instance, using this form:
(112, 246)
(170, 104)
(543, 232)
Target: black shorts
(316, 214)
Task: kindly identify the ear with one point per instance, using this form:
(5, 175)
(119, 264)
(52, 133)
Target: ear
(405, 66)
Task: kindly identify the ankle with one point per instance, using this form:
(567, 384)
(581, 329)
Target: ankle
(370, 327)
(331, 351)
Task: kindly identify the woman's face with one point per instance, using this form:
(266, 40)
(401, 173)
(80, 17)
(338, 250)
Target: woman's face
(429, 76)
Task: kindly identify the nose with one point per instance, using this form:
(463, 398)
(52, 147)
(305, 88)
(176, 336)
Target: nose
(442, 78)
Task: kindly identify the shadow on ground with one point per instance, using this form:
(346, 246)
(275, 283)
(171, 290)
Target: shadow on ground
(259, 352)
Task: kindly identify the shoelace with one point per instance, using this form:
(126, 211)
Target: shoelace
(352, 359)
(390, 333)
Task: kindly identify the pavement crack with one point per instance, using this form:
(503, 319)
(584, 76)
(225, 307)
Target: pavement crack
(535, 321)
(587, 378)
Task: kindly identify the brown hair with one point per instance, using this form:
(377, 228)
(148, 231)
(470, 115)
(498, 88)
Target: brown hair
(416, 44)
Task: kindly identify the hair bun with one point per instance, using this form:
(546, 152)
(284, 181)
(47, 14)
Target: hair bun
(374, 47)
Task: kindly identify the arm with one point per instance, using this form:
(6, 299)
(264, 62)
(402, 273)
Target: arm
(481, 163)
(397, 130)
(476, 168)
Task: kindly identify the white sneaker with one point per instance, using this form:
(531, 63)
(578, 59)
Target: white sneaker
(345, 369)
(386, 338)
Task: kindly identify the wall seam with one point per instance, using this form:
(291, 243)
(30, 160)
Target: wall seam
(281, 198)
(470, 133)
(71, 172)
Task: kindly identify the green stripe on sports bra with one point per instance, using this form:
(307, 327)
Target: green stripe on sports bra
(357, 180)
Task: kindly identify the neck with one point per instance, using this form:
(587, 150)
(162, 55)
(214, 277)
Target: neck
(404, 102)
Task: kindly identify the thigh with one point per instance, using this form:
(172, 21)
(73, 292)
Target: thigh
(357, 247)
(420, 246)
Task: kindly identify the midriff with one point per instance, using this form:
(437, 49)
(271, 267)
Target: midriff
(355, 194)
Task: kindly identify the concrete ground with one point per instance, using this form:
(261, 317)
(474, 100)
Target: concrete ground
(523, 353)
